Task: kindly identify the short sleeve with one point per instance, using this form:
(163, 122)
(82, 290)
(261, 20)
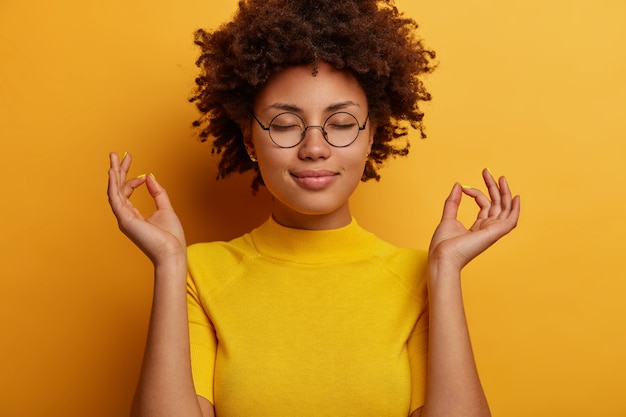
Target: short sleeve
(417, 346)
(409, 266)
(203, 343)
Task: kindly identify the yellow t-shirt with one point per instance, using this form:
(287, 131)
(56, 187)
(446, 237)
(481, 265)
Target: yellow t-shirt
(286, 322)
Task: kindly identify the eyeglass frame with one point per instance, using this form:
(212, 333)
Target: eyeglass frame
(306, 127)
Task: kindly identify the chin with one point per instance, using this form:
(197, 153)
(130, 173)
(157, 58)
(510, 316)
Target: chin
(313, 205)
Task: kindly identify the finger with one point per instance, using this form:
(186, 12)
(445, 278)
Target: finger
(494, 193)
(515, 211)
(113, 187)
(114, 160)
(115, 171)
(125, 186)
(505, 197)
(129, 186)
(451, 205)
(119, 164)
(158, 193)
(481, 200)
(123, 209)
(116, 200)
(503, 226)
(119, 190)
(119, 195)
(125, 166)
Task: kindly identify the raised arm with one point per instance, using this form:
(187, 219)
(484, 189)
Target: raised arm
(165, 385)
(453, 387)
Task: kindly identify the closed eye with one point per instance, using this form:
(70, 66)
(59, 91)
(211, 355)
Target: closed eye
(285, 128)
(337, 126)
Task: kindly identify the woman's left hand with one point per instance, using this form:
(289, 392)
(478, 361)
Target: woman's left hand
(455, 246)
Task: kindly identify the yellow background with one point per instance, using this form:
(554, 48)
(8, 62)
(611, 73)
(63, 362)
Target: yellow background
(532, 89)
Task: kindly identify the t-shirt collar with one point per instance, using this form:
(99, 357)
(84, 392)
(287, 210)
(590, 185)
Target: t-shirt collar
(313, 246)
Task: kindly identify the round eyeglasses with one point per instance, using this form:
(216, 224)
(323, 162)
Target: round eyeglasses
(288, 129)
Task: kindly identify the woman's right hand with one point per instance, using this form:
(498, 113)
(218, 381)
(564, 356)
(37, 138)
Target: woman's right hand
(160, 236)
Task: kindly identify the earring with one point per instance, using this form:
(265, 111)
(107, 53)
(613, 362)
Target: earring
(252, 158)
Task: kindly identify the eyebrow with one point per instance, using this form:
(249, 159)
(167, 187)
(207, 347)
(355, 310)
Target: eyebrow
(293, 108)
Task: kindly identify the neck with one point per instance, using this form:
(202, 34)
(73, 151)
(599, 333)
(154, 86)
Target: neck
(335, 220)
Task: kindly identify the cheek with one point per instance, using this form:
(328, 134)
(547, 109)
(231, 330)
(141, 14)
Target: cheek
(362, 154)
(356, 165)
(271, 164)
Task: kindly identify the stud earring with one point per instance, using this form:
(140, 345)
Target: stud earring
(252, 158)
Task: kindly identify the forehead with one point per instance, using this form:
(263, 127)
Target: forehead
(297, 86)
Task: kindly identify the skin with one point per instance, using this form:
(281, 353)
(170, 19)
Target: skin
(312, 182)
(453, 388)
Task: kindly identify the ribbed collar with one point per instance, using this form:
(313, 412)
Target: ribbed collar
(313, 246)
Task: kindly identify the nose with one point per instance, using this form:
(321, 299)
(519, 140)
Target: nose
(314, 144)
(321, 128)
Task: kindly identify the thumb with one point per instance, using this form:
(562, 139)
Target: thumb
(451, 205)
(158, 193)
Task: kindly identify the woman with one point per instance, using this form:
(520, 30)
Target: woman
(309, 314)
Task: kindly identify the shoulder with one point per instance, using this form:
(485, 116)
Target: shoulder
(399, 257)
(400, 260)
(407, 265)
(211, 264)
(207, 253)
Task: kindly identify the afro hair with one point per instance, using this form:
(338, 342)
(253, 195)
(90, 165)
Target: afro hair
(370, 39)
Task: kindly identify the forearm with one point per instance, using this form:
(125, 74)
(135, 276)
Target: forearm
(453, 386)
(165, 386)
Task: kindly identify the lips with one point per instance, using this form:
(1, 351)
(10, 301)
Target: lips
(314, 179)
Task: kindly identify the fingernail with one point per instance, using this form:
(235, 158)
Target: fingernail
(152, 175)
(125, 153)
(466, 186)
(141, 176)
(489, 171)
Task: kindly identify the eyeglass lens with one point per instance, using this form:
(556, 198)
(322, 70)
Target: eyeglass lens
(288, 129)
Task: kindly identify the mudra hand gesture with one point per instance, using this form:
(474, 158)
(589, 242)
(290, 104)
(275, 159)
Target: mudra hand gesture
(453, 245)
(159, 235)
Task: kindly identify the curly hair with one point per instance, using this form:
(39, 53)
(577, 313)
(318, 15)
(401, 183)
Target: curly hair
(370, 39)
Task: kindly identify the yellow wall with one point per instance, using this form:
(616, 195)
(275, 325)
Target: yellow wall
(530, 88)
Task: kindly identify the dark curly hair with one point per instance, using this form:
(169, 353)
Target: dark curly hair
(369, 38)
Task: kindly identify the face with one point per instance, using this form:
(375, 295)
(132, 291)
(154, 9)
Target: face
(312, 181)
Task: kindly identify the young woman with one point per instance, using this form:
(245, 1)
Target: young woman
(309, 314)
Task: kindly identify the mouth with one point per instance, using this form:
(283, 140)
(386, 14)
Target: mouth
(314, 179)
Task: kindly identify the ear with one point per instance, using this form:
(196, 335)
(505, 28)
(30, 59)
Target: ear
(246, 131)
(371, 139)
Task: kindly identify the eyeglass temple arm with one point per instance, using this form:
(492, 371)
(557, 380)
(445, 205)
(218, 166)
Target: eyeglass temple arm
(261, 124)
(365, 122)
